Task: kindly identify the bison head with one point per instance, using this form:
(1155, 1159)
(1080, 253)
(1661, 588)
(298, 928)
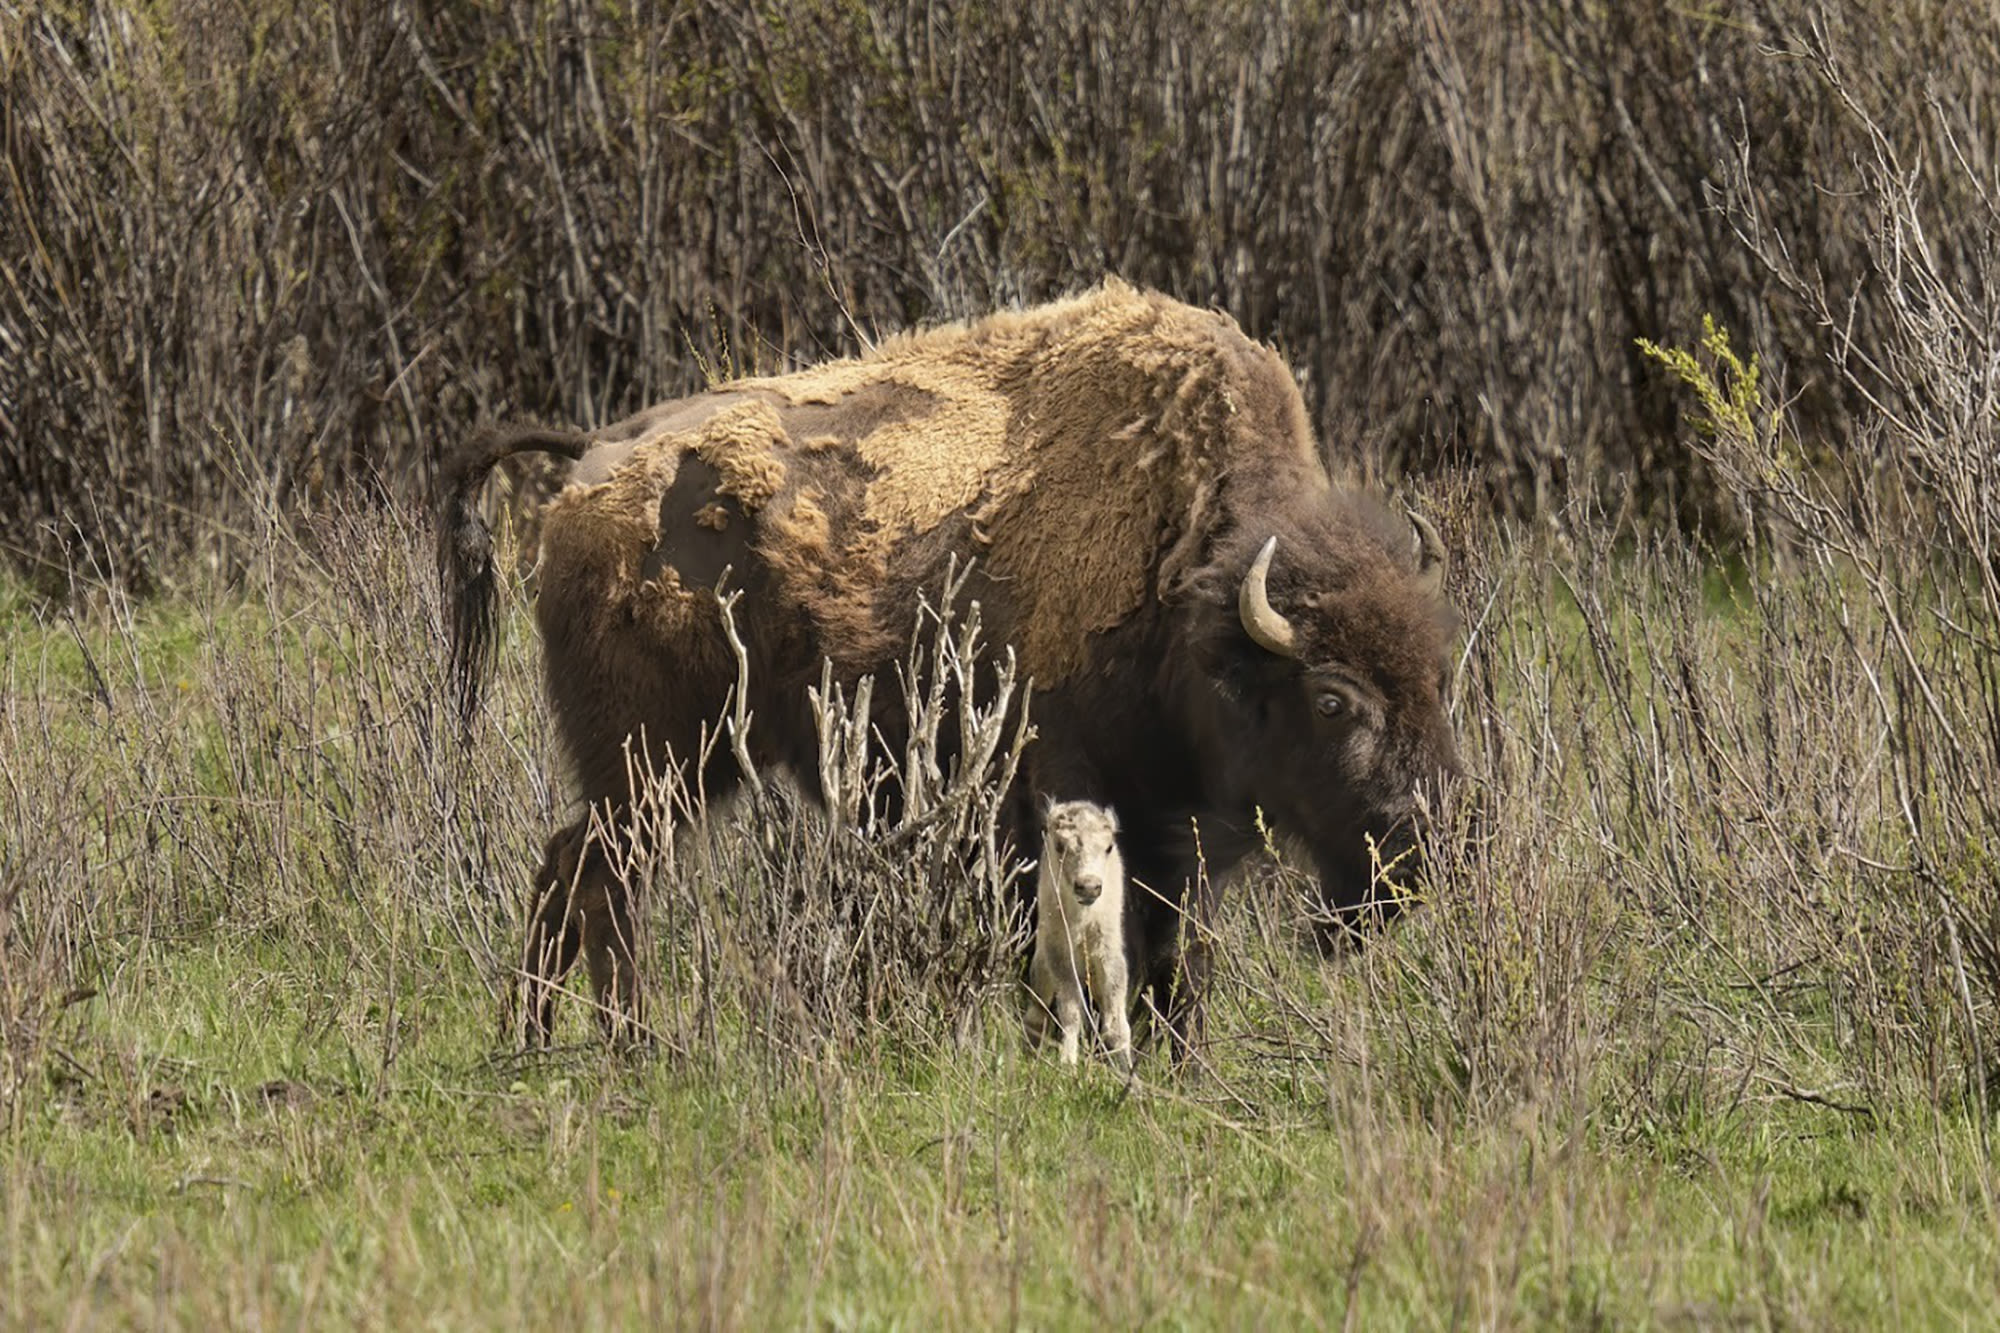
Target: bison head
(1327, 656)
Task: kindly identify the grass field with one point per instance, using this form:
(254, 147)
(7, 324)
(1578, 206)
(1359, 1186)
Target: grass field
(1697, 1035)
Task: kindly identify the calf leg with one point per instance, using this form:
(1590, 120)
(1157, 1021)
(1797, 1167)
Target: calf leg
(1039, 1001)
(1069, 1010)
(1108, 984)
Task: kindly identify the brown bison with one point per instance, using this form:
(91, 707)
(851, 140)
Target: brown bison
(1212, 627)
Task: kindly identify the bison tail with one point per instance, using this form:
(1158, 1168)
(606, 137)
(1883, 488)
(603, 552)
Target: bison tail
(465, 547)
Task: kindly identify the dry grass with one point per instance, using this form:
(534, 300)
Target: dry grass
(1693, 1031)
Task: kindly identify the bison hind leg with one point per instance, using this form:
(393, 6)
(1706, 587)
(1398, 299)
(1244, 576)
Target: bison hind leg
(581, 906)
(553, 938)
(614, 970)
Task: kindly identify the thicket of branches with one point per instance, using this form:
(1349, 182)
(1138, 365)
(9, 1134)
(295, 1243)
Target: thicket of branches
(280, 249)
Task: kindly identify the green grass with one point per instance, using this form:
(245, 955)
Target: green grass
(221, 1138)
(1672, 1047)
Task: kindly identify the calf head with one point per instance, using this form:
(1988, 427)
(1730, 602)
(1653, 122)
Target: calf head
(1080, 849)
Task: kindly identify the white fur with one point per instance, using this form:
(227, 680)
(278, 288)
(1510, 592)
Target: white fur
(1078, 942)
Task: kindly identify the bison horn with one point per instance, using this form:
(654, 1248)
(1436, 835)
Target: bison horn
(1261, 620)
(1432, 558)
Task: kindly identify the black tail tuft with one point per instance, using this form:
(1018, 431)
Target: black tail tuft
(465, 547)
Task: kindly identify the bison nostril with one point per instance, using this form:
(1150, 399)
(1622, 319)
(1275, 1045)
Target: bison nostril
(1088, 887)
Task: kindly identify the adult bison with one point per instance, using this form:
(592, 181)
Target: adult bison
(1213, 628)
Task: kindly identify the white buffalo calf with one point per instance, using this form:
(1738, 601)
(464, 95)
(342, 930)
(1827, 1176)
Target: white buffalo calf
(1080, 930)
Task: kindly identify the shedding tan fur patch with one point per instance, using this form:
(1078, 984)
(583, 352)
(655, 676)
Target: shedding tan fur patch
(1077, 435)
(837, 579)
(603, 531)
(713, 516)
(745, 443)
(806, 526)
(669, 608)
(936, 464)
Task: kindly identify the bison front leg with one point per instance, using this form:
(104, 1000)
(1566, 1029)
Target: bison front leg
(1177, 988)
(1187, 1000)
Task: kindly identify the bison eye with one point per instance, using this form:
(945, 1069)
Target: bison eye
(1331, 704)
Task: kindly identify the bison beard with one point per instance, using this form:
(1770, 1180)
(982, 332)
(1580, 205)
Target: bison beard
(1213, 628)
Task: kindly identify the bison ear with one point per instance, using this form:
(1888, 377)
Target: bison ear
(1432, 558)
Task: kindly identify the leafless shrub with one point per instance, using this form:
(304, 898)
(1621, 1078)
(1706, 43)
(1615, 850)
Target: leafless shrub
(1888, 881)
(294, 251)
(893, 911)
(905, 904)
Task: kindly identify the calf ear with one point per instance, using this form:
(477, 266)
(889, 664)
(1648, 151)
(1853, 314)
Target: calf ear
(1432, 558)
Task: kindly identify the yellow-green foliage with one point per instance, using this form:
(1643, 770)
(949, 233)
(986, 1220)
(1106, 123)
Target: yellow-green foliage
(1725, 384)
(1733, 414)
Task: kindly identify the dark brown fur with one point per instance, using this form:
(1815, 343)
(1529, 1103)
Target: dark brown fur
(1113, 463)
